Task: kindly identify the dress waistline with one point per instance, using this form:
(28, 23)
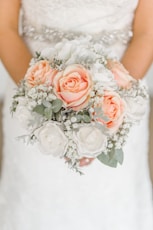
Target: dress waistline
(50, 34)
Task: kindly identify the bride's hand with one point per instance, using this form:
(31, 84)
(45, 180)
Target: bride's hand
(85, 161)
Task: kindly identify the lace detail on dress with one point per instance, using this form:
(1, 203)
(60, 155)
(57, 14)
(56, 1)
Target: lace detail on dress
(84, 16)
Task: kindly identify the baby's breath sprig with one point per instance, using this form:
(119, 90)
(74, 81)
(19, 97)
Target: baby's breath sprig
(57, 64)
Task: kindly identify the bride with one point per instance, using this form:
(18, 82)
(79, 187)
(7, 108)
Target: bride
(39, 192)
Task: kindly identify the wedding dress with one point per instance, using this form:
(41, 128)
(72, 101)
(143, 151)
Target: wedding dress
(39, 192)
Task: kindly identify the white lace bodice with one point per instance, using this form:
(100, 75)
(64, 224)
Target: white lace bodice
(51, 20)
(81, 15)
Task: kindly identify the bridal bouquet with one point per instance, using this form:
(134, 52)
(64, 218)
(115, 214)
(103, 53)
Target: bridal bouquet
(76, 103)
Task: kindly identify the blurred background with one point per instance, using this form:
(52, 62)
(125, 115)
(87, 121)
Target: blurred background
(4, 77)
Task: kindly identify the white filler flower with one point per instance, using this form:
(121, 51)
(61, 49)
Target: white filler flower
(51, 139)
(90, 141)
(22, 113)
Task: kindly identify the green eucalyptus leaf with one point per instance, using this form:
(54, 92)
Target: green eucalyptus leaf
(119, 155)
(57, 105)
(58, 116)
(48, 113)
(47, 104)
(86, 112)
(112, 153)
(86, 118)
(39, 109)
(79, 117)
(107, 160)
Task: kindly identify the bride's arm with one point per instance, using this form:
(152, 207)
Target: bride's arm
(139, 54)
(13, 51)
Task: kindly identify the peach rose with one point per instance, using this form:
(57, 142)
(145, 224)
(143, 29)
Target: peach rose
(73, 86)
(113, 108)
(121, 75)
(40, 73)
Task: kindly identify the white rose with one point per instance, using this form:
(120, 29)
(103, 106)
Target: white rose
(102, 74)
(136, 108)
(90, 141)
(51, 139)
(66, 51)
(86, 55)
(48, 52)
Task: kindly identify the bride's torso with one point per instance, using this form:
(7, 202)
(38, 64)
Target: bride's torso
(46, 21)
(82, 15)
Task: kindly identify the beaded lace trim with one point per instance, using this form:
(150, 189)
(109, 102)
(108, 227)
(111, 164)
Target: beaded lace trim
(55, 35)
